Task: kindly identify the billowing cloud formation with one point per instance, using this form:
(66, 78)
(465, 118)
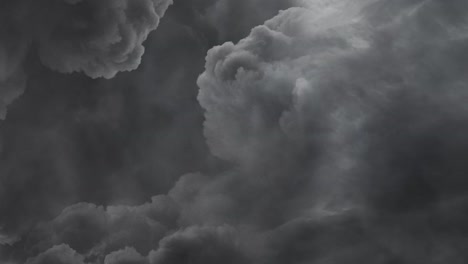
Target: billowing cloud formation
(149, 233)
(199, 245)
(332, 101)
(111, 141)
(324, 81)
(98, 38)
(342, 123)
(61, 254)
(94, 231)
(125, 256)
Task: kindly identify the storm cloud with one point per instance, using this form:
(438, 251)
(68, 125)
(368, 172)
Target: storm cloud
(99, 39)
(353, 108)
(70, 138)
(333, 132)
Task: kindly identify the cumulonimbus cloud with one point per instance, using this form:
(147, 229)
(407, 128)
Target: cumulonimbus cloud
(336, 97)
(313, 79)
(344, 125)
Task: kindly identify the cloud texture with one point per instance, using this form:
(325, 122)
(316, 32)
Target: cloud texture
(99, 39)
(121, 140)
(333, 101)
(338, 135)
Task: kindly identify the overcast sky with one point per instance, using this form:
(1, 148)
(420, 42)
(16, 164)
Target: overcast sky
(233, 132)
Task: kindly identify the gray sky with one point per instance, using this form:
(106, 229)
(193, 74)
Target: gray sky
(233, 131)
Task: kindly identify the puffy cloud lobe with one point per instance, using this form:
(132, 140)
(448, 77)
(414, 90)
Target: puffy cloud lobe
(203, 201)
(80, 226)
(125, 235)
(200, 245)
(125, 256)
(95, 231)
(258, 84)
(61, 254)
(98, 38)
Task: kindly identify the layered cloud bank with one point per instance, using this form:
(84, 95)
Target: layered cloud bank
(344, 124)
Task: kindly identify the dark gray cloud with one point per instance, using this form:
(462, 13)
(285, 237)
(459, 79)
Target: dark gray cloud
(303, 83)
(334, 134)
(125, 256)
(334, 101)
(200, 245)
(121, 140)
(61, 254)
(94, 231)
(99, 39)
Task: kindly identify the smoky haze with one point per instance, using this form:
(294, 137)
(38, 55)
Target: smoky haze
(233, 131)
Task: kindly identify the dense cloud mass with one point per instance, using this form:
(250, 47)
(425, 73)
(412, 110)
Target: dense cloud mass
(96, 232)
(361, 103)
(200, 245)
(334, 132)
(125, 256)
(307, 84)
(61, 254)
(71, 138)
(98, 38)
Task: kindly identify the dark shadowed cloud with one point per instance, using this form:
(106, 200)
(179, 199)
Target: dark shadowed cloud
(351, 109)
(330, 132)
(125, 256)
(60, 254)
(70, 138)
(199, 245)
(97, 38)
